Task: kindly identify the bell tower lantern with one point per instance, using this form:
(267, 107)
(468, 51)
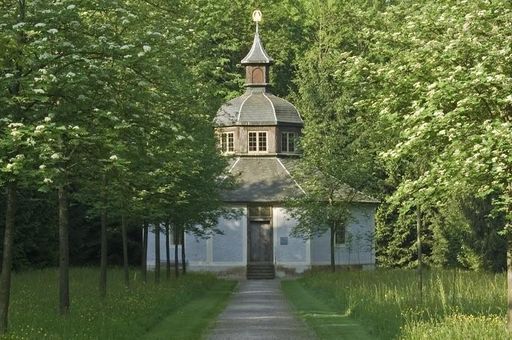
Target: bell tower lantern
(257, 62)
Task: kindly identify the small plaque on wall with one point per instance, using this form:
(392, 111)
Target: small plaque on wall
(283, 241)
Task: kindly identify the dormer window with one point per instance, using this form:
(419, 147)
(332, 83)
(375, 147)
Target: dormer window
(288, 142)
(257, 141)
(227, 142)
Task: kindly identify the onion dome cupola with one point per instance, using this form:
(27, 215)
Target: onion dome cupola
(257, 106)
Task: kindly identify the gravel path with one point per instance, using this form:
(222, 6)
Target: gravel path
(259, 310)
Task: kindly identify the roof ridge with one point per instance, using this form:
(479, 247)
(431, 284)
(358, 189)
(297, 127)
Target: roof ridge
(271, 104)
(289, 174)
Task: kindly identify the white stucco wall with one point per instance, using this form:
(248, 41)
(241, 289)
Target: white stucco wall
(221, 252)
(288, 250)
(231, 246)
(358, 248)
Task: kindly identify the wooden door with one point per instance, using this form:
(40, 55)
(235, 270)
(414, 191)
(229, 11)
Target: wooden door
(260, 242)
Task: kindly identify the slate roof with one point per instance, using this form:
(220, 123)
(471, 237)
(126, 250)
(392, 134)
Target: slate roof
(257, 107)
(270, 179)
(261, 179)
(257, 54)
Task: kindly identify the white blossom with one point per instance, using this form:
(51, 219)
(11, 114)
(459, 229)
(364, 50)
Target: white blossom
(18, 25)
(71, 7)
(55, 156)
(52, 30)
(47, 119)
(40, 24)
(9, 75)
(47, 181)
(146, 48)
(38, 91)
(113, 158)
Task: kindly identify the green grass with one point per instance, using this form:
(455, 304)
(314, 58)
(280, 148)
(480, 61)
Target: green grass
(191, 321)
(462, 305)
(326, 319)
(125, 314)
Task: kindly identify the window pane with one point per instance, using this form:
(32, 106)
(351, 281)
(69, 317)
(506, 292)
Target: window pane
(252, 141)
(223, 144)
(284, 142)
(339, 235)
(262, 141)
(231, 142)
(291, 142)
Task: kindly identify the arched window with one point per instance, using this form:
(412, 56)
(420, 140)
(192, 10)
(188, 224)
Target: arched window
(257, 76)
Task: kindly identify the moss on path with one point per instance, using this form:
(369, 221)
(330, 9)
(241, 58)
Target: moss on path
(327, 321)
(192, 320)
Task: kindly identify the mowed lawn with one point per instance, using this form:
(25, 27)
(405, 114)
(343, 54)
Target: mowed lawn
(386, 304)
(182, 308)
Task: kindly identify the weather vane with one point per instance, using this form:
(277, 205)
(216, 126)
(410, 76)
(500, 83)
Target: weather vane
(256, 17)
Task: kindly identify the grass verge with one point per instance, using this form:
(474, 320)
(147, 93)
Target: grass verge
(126, 313)
(328, 321)
(454, 304)
(195, 318)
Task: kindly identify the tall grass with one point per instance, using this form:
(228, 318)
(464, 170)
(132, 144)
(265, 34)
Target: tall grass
(389, 302)
(124, 314)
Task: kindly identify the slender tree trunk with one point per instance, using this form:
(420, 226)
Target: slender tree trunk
(103, 236)
(509, 278)
(157, 254)
(176, 257)
(183, 261)
(167, 252)
(63, 251)
(144, 264)
(508, 229)
(5, 276)
(420, 253)
(333, 262)
(125, 251)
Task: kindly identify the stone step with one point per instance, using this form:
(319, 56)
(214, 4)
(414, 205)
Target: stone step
(260, 271)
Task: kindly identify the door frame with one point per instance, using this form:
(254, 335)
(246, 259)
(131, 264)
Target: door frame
(270, 221)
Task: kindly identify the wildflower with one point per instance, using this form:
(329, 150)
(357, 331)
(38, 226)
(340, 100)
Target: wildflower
(52, 31)
(113, 158)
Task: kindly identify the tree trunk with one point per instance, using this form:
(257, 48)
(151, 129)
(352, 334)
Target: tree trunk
(63, 251)
(157, 254)
(176, 257)
(103, 249)
(144, 264)
(167, 252)
(125, 251)
(333, 262)
(509, 276)
(183, 261)
(420, 253)
(5, 276)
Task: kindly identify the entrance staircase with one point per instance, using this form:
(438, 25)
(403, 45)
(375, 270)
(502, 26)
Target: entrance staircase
(264, 271)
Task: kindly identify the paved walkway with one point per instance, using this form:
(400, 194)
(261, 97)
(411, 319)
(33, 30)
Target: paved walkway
(259, 311)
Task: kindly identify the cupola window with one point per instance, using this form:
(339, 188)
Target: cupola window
(288, 142)
(257, 141)
(227, 142)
